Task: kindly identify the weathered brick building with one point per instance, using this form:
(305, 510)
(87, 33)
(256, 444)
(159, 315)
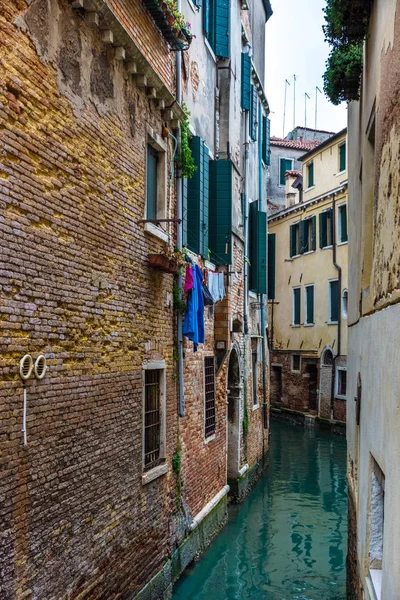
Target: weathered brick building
(118, 471)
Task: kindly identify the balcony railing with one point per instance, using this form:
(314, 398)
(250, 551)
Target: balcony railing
(177, 36)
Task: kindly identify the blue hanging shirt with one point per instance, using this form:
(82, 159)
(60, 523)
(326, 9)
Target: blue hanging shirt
(193, 327)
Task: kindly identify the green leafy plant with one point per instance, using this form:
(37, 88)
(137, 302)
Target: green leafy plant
(245, 416)
(185, 159)
(177, 468)
(345, 30)
(179, 304)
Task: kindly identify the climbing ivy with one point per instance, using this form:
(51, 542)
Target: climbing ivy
(185, 159)
(179, 304)
(177, 467)
(345, 30)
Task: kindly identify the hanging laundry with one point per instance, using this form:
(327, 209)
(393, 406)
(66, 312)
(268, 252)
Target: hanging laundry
(221, 285)
(213, 286)
(193, 327)
(188, 279)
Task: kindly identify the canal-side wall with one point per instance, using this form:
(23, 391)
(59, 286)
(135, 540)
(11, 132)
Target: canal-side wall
(292, 416)
(241, 487)
(193, 546)
(353, 583)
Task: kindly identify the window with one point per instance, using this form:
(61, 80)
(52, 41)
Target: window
(151, 183)
(341, 382)
(325, 229)
(154, 415)
(309, 305)
(310, 174)
(307, 235)
(327, 358)
(195, 201)
(344, 303)
(216, 26)
(253, 112)
(342, 223)
(254, 365)
(156, 182)
(342, 157)
(333, 301)
(296, 363)
(245, 89)
(296, 313)
(266, 140)
(295, 239)
(285, 164)
(376, 528)
(209, 393)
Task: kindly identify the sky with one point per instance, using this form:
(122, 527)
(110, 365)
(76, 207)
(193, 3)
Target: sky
(295, 46)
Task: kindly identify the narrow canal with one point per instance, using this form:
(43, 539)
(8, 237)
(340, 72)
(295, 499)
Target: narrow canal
(288, 539)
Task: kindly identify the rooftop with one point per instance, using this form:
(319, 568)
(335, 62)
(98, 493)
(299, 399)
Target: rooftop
(312, 129)
(292, 173)
(327, 142)
(299, 145)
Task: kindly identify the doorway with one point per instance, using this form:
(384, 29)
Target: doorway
(276, 385)
(312, 387)
(234, 403)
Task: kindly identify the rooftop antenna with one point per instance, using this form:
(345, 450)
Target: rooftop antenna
(316, 108)
(305, 109)
(284, 107)
(294, 101)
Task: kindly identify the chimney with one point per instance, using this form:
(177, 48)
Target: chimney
(301, 139)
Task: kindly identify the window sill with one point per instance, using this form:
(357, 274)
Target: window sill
(326, 247)
(333, 323)
(296, 372)
(209, 439)
(193, 7)
(341, 173)
(338, 397)
(154, 473)
(375, 582)
(293, 325)
(308, 252)
(309, 188)
(309, 324)
(342, 243)
(156, 231)
(210, 50)
(255, 406)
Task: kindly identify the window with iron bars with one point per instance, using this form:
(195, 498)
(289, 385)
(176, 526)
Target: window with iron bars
(152, 419)
(209, 389)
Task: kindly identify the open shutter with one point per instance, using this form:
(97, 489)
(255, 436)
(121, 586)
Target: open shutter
(303, 236)
(293, 240)
(253, 113)
(184, 211)
(296, 311)
(271, 265)
(323, 238)
(204, 199)
(206, 18)
(258, 240)
(198, 199)
(220, 27)
(220, 212)
(266, 145)
(310, 170)
(246, 82)
(343, 223)
(151, 183)
(342, 157)
(314, 233)
(310, 304)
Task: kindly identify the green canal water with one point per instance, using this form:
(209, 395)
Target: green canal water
(288, 539)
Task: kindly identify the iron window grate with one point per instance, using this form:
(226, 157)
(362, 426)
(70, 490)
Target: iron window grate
(152, 419)
(209, 387)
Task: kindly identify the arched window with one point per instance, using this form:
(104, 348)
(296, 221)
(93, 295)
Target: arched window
(344, 303)
(327, 357)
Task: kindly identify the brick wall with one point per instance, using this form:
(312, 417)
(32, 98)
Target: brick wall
(295, 386)
(75, 286)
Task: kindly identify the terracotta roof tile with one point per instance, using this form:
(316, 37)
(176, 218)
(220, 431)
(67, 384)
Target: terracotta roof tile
(297, 145)
(293, 173)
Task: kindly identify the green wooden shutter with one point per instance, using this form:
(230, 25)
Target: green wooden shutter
(343, 223)
(310, 171)
(220, 212)
(296, 311)
(206, 18)
(342, 157)
(258, 241)
(314, 233)
(271, 265)
(245, 88)
(198, 199)
(266, 145)
(151, 183)
(310, 304)
(323, 236)
(219, 27)
(253, 113)
(303, 236)
(334, 300)
(285, 165)
(293, 240)
(184, 211)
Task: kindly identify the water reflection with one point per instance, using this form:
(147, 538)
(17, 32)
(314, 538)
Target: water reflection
(288, 539)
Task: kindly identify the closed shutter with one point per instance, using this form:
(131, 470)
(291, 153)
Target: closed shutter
(245, 89)
(310, 169)
(151, 183)
(342, 157)
(266, 142)
(303, 236)
(343, 223)
(323, 237)
(220, 212)
(296, 306)
(198, 199)
(258, 240)
(219, 27)
(293, 240)
(334, 301)
(314, 233)
(271, 265)
(253, 113)
(310, 304)
(285, 165)
(184, 211)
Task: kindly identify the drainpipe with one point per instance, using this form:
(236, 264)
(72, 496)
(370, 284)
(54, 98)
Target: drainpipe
(339, 271)
(246, 226)
(179, 215)
(262, 296)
